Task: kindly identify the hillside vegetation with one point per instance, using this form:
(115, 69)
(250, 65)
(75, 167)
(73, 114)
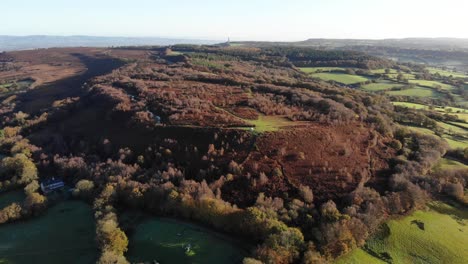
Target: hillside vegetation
(239, 139)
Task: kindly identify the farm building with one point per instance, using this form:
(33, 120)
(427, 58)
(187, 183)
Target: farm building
(52, 184)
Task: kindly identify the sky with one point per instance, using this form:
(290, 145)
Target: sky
(272, 20)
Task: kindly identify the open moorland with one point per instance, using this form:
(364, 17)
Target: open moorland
(302, 155)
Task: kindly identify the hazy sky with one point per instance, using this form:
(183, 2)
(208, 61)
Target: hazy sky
(238, 19)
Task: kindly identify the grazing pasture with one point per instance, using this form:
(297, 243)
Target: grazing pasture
(460, 112)
(453, 129)
(340, 78)
(270, 123)
(411, 105)
(380, 86)
(435, 235)
(449, 164)
(322, 69)
(432, 84)
(417, 92)
(382, 71)
(11, 197)
(394, 76)
(169, 241)
(65, 234)
(446, 73)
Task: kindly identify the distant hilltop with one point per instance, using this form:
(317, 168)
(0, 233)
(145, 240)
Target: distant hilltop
(409, 43)
(10, 43)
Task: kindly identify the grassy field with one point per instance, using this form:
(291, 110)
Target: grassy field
(436, 235)
(11, 197)
(380, 86)
(453, 134)
(416, 92)
(167, 241)
(446, 73)
(432, 84)
(407, 76)
(382, 71)
(411, 105)
(65, 234)
(421, 130)
(459, 112)
(6, 85)
(453, 142)
(270, 123)
(452, 128)
(321, 69)
(465, 125)
(462, 116)
(449, 164)
(340, 78)
(175, 53)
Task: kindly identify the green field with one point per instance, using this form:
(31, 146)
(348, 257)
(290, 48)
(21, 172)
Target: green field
(11, 197)
(436, 235)
(453, 129)
(321, 69)
(416, 92)
(65, 234)
(407, 76)
(421, 130)
(446, 73)
(380, 86)
(270, 123)
(340, 78)
(167, 241)
(449, 164)
(465, 125)
(455, 143)
(382, 71)
(175, 53)
(459, 112)
(411, 105)
(432, 84)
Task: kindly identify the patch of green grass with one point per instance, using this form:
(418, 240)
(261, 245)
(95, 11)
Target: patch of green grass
(269, 123)
(453, 129)
(394, 76)
(432, 84)
(64, 234)
(11, 197)
(6, 85)
(340, 78)
(460, 112)
(446, 73)
(175, 53)
(436, 235)
(380, 86)
(321, 69)
(421, 130)
(462, 116)
(416, 92)
(449, 164)
(411, 105)
(382, 71)
(455, 142)
(465, 125)
(167, 241)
